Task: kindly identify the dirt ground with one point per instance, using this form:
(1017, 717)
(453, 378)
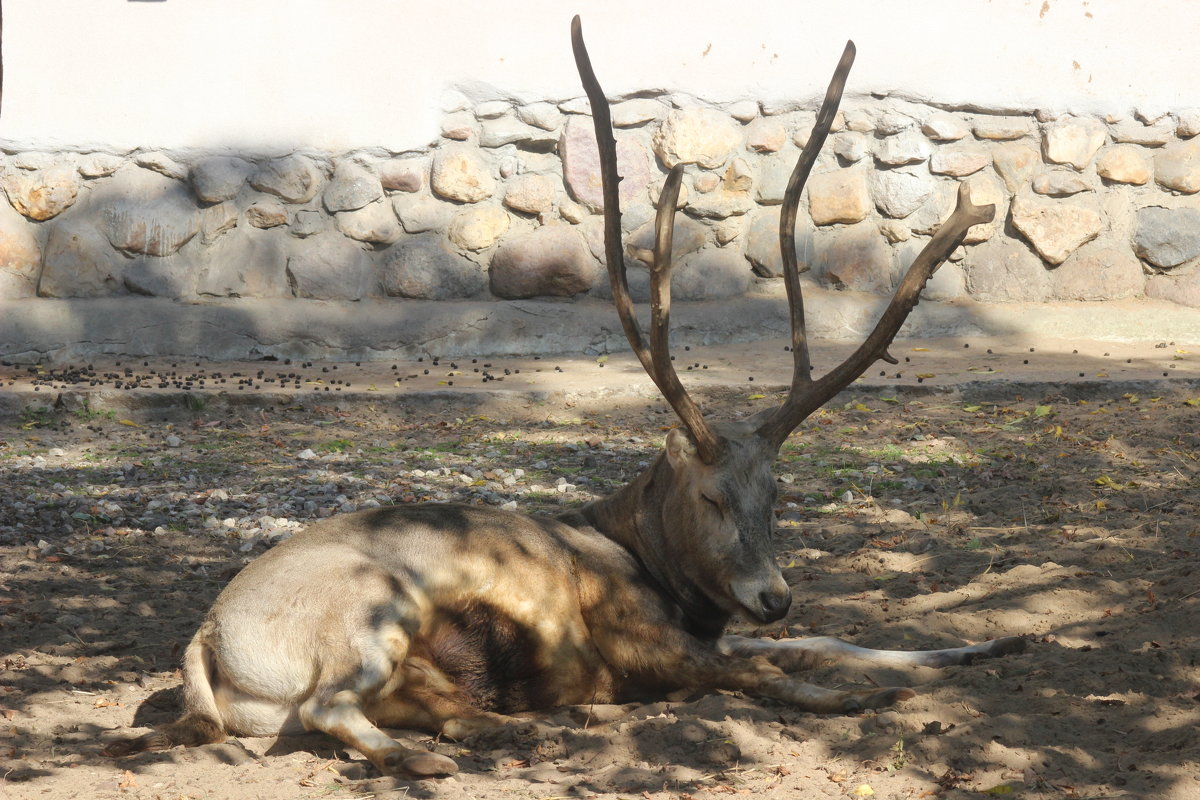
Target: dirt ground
(990, 498)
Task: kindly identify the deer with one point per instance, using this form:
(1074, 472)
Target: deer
(453, 618)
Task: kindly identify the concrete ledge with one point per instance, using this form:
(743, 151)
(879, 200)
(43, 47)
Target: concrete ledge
(47, 330)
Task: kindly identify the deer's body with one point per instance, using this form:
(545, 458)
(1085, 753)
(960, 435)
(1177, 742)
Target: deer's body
(450, 618)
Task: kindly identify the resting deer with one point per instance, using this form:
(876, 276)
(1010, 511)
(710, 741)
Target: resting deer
(449, 618)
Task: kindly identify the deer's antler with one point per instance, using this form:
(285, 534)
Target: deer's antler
(656, 359)
(806, 395)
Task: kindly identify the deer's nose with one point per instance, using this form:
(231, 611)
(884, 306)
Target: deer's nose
(774, 603)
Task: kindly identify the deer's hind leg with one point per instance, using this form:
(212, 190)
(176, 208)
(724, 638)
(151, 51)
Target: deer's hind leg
(794, 655)
(364, 667)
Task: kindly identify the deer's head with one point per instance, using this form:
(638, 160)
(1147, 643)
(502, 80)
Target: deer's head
(717, 491)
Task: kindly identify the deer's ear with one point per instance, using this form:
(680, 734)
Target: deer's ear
(680, 450)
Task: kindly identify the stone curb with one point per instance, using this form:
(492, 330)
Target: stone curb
(57, 331)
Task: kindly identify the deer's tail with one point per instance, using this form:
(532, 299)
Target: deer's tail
(201, 721)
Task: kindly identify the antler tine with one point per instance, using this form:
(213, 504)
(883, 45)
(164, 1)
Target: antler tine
(660, 322)
(949, 236)
(657, 363)
(801, 369)
(610, 181)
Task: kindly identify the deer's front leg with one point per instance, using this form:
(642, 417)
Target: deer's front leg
(794, 655)
(659, 653)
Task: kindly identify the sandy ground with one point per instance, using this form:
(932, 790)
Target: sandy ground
(990, 498)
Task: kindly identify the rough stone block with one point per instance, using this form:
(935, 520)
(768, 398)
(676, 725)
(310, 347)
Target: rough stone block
(491, 109)
(638, 111)
(762, 244)
(1188, 123)
(1004, 270)
(900, 192)
(1060, 183)
(80, 262)
(1015, 164)
(424, 267)
(720, 204)
(293, 179)
(766, 135)
(352, 186)
(458, 127)
(143, 212)
(959, 161)
(374, 223)
(162, 164)
(172, 276)
(1177, 167)
(1098, 272)
(217, 179)
(551, 261)
(696, 136)
(41, 194)
(743, 110)
(1055, 228)
(891, 123)
(541, 115)
(851, 147)
(1167, 237)
(908, 147)
(1181, 289)
(1073, 140)
(246, 263)
(839, 197)
(947, 283)
(855, 258)
(942, 126)
(99, 165)
(532, 194)
(216, 220)
(403, 174)
(859, 120)
(265, 213)
(330, 267)
(581, 164)
(419, 213)
(997, 128)
(478, 228)
(1124, 163)
(309, 222)
(712, 273)
(1149, 135)
(459, 173)
(20, 255)
(508, 130)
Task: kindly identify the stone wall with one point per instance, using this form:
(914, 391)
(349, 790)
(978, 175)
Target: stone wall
(506, 206)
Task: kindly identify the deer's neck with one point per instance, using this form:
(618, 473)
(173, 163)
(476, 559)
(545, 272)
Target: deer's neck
(633, 518)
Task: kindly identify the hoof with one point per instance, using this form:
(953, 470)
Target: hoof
(429, 765)
(876, 698)
(1007, 646)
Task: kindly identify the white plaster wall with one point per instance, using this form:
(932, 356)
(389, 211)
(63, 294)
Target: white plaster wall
(339, 74)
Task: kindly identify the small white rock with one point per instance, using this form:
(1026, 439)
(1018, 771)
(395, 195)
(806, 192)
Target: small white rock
(306, 454)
